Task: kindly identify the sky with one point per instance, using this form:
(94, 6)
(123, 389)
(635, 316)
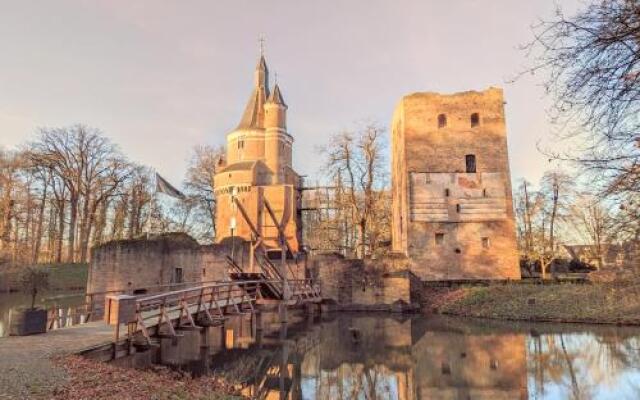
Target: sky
(160, 77)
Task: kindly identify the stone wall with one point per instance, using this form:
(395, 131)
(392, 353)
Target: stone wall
(147, 265)
(453, 222)
(365, 284)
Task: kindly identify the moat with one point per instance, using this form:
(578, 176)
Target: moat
(389, 356)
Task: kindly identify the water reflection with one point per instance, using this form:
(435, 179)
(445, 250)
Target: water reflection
(14, 301)
(383, 357)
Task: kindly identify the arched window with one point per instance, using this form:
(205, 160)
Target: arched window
(442, 121)
(470, 161)
(475, 119)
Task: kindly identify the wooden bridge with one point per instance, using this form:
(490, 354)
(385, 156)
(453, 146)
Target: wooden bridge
(162, 314)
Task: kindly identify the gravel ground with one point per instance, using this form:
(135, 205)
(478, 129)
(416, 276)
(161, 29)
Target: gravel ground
(26, 368)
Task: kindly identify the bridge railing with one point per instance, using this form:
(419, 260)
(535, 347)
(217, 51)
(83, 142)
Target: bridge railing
(180, 305)
(95, 300)
(210, 302)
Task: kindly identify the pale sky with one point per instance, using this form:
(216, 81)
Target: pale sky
(159, 77)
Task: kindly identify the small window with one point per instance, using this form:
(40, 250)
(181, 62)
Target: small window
(484, 192)
(475, 119)
(458, 208)
(442, 121)
(445, 368)
(177, 275)
(470, 161)
(493, 364)
(446, 192)
(439, 239)
(486, 243)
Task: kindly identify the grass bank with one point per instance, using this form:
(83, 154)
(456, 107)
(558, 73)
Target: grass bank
(62, 277)
(617, 303)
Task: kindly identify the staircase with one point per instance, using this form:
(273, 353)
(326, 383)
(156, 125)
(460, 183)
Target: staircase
(301, 290)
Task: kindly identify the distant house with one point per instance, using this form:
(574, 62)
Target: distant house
(610, 255)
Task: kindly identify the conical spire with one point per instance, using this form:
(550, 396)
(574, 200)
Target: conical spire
(262, 73)
(253, 116)
(276, 96)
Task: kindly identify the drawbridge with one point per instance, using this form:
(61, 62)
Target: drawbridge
(265, 281)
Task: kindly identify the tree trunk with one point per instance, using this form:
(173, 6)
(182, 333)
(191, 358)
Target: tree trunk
(60, 233)
(38, 234)
(362, 226)
(73, 217)
(87, 210)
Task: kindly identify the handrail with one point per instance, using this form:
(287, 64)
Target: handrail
(219, 284)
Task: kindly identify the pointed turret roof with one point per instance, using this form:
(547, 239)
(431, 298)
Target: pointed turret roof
(253, 116)
(276, 96)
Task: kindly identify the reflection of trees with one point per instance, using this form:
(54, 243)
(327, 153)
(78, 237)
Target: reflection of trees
(580, 363)
(357, 381)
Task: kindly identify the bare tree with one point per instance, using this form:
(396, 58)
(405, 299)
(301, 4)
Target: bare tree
(593, 63)
(592, 224)
(356, 161)
(91, 169)
(199, 187)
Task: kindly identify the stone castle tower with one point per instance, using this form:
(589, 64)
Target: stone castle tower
(258, 167)
(452, 206)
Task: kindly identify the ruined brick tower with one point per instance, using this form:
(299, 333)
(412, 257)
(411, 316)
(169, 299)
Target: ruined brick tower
(258, 167)
(451, 185)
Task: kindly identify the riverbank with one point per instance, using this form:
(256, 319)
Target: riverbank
(88, 379)
(47, 367)
(62, 277)
(596, 303)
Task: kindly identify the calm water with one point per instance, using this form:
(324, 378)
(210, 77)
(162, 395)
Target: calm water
(11, 301)
(380, 357)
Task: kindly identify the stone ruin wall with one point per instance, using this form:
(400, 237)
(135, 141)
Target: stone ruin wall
(144, 265)
(365, 284)
(433, 194)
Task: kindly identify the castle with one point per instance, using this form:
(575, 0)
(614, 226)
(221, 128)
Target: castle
(451, 186)
(257, 169)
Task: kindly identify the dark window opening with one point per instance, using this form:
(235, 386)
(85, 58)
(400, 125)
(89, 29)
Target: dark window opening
(457, 207)
(475, 119)
(139, 291)
(446, 192)
(484, 192)
(458, 251)
(177, 275)
(470, 160)
(442, 121)
(486, 243)
(445, 368)
(493, 364)
(439, 239)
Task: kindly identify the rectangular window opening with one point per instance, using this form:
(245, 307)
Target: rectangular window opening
(177, 275)
(439, 239)
(486, 243)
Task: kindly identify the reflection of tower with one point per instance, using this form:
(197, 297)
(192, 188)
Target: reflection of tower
(404, 380)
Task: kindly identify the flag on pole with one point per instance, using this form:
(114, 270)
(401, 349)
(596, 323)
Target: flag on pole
(163, 186)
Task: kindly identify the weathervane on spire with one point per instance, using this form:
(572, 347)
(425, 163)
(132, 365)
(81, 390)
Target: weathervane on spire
(261, 40)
